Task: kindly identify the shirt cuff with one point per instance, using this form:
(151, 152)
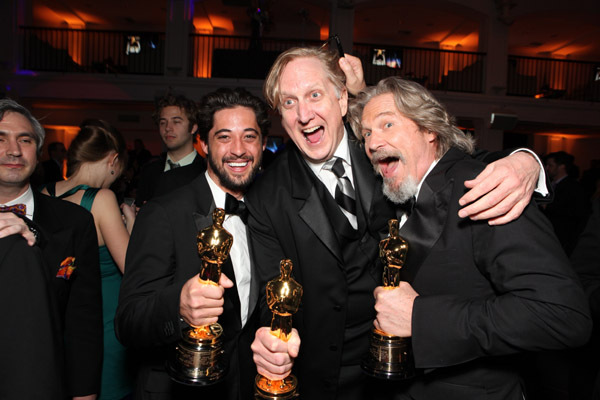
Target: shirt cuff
(541, 187)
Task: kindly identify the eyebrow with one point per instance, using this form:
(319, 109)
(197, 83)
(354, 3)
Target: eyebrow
(229, 130)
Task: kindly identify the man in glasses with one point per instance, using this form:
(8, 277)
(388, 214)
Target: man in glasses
(320, 205)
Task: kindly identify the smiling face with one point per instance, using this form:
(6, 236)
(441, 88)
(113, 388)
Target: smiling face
(398, 149)
(176, 132)
(311, 110)
(18, 154)
(234, 149)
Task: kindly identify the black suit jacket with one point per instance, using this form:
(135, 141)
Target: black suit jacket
(485, 292)
(68, 230)
(30, 338)
(162, 256)
(288, 220)
(154, 181)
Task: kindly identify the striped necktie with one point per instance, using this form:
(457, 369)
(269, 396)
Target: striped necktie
(345, 196)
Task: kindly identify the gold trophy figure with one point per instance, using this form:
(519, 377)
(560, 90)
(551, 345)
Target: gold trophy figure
(390, 357)
(283, 298)
(197, 358)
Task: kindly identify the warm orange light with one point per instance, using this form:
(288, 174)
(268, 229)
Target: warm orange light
(324, 33)
(202, 25)
(221, 23)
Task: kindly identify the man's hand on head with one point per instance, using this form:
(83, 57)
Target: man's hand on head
(352, 68)
(10, 224)
(502, 190)
(201, 304)
(274, 357)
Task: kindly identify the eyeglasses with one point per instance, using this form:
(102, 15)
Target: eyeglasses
(338, 45)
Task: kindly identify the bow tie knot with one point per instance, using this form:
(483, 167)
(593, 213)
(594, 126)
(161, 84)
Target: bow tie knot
(408, 206)
(237, 207)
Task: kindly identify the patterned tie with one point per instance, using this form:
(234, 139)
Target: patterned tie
(173, 165)
(19, 209)
(344, 192)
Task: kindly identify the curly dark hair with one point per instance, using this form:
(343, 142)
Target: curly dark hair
(224, 98)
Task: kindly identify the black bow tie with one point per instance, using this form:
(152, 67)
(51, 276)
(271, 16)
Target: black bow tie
(236, 207)
(408, 206)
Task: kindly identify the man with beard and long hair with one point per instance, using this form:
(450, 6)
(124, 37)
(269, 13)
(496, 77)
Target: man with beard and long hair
(161, 293)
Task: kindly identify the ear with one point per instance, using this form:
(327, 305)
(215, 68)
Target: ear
(113, 158)
(343, 101)
(430, 136)
(204, 146)
(194, 129)
(264, 146)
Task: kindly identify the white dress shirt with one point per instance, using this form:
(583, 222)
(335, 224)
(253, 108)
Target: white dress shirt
(239, 254)
(187, 160)
(330, 180)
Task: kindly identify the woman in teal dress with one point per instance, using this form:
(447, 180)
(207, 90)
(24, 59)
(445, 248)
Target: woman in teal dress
(95, 159)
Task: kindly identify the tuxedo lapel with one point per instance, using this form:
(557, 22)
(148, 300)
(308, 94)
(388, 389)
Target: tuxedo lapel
(426, 222)
(310, 206)
(364, 181)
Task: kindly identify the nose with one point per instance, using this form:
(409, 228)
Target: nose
(237, 147)
(305, 112)
(373, 142)
(14, 148)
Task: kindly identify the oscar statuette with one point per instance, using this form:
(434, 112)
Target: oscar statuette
(197, 357)
(283, 298)
(390, 357)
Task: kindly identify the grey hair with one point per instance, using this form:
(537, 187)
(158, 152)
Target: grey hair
(9, 105)
(417, 104)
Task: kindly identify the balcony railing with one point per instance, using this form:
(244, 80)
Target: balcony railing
(555, 79)
(79, 50)
(454, 71)
(122, 52)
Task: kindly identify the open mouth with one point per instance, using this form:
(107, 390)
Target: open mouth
(313, 135)
(387, 165)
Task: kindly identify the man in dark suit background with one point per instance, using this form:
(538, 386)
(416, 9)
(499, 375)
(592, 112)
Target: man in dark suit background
(161, 293)
(568, 210)
(175, 117)
(67, 237)
(294, 215)
(472, 295)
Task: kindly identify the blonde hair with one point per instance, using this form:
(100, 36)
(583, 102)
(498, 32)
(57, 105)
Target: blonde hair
(328, 59)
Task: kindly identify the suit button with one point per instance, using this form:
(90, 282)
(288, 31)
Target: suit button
(337, 307)
(333, 347)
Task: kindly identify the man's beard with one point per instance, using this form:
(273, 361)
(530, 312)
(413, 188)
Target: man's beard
(400, 192)
(235, 185)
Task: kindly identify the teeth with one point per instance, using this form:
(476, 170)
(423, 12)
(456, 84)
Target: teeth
(311, 130)
(238, 164)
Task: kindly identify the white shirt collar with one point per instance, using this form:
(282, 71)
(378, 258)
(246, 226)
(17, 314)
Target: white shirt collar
(433, 164)
(27, 199)
(342, 151)
(187, 160)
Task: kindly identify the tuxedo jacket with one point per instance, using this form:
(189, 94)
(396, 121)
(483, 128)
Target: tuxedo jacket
(288, 219)
(68, 230)
(30, 338)
(162, 256)
(485, 292)
(154, 181)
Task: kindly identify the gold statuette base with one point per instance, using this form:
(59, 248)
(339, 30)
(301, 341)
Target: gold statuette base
(390, 357)
(197, 359)
(266, 389)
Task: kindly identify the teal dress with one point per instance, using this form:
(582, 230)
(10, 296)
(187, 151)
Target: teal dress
(116, 376)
